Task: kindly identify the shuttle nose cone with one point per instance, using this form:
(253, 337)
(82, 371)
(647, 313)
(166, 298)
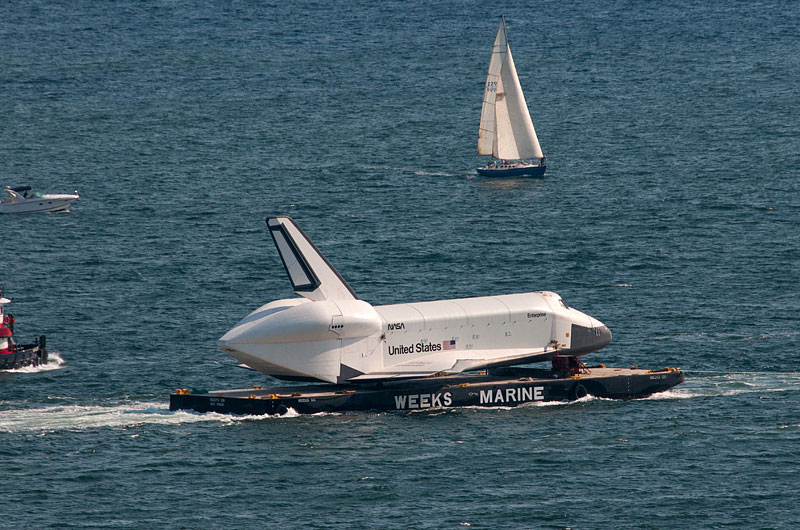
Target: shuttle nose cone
(604, 337)
(588, 339)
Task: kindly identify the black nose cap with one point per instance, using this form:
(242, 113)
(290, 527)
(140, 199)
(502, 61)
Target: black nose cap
(586, 340)
(603, 336)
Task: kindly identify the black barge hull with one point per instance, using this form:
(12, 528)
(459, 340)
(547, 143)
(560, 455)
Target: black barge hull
(501, 388)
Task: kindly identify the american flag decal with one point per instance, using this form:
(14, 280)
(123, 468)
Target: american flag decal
(449, 345)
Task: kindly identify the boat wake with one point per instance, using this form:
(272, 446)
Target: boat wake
(74, 418)
(485, 409)
(697, 384)
(712, 383)
(125, 415)
(672, 393)
(435, 174)
(54, 362)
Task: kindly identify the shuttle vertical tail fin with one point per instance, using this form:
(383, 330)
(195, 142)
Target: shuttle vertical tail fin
(312, 276)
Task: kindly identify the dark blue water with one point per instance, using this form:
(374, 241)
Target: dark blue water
(670, 211)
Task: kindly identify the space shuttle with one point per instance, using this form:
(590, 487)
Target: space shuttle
(330, 335)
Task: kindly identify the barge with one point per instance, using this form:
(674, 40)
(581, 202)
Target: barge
(504, 387)
(463, 352)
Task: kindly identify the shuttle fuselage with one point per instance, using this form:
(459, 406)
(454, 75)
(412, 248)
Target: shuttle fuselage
(330, 335)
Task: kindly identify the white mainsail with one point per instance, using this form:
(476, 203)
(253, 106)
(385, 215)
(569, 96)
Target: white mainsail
(506, 130)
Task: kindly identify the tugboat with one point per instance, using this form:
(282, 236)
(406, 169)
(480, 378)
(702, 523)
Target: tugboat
(13, 355)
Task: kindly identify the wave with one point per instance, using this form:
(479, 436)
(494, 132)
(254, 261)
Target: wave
(54, 362)
(84, 417)
(495, 408)
(434, 174)
(711, 383)
(672, 393)
(59, 418)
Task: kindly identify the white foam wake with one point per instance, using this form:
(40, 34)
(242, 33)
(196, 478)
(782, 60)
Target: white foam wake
(732, 384)
(54, 362)
(83, 417)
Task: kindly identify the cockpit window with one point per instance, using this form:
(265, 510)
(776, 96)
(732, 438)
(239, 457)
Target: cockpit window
(563, 303)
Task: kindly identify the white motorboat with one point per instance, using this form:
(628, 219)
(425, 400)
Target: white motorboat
(23, 200)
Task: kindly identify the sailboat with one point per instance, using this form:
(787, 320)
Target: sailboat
(506, 131)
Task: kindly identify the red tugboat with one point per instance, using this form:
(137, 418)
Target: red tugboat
(13, 355)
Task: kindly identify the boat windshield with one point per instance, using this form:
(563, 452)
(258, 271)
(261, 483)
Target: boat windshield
(23, 192)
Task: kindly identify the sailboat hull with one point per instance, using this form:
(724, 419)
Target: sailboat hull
(512, 171)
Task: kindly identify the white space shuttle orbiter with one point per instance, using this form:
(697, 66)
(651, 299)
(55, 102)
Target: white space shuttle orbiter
(331, 335)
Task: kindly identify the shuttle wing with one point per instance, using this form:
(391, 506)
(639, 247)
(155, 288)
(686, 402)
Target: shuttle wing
(451, 363)
(312, 276)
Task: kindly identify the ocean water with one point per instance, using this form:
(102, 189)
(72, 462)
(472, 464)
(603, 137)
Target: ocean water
(670, 211)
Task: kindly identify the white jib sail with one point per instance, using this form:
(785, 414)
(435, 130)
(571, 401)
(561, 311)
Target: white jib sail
(511, 136)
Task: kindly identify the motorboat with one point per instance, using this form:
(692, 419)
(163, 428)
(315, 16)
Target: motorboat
(21, 199)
